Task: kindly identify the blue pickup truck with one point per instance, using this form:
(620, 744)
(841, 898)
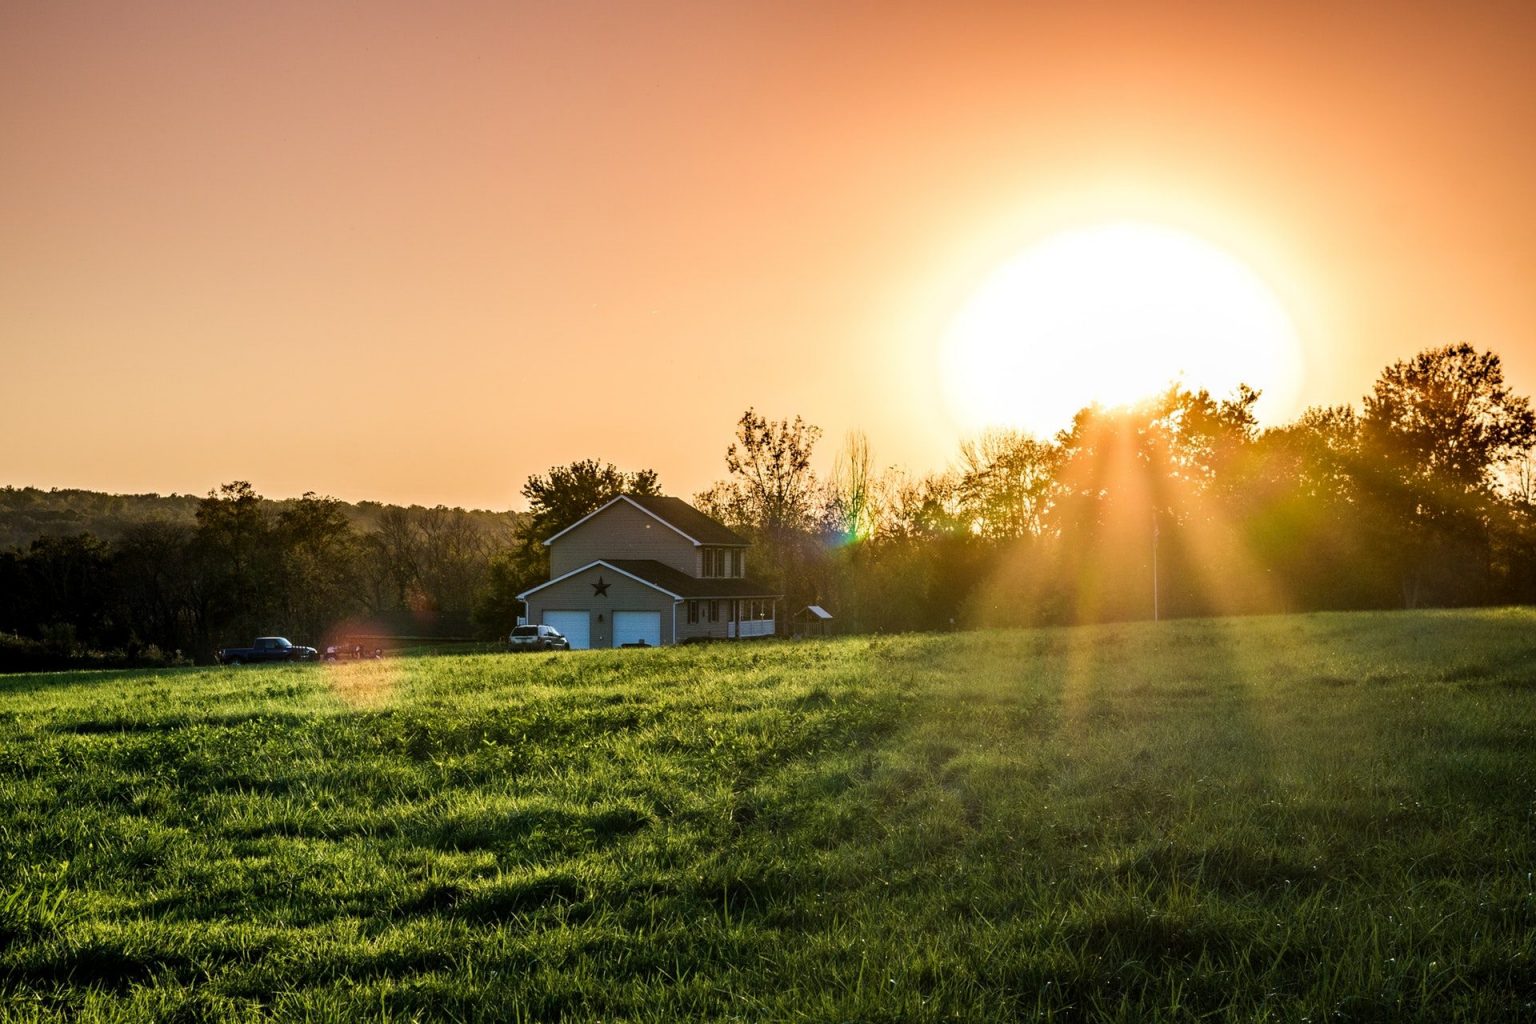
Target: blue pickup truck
(266, 648)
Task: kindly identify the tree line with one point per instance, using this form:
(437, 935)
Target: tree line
(163, 590)
(1422, 494)
(1177, 506)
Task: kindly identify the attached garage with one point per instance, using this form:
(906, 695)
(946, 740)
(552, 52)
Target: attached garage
(636, 601)
(637, 627)
(576, 625)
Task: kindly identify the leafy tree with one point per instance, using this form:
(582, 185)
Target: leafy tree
(394, 560)
(66, 582)
(497, 607)
(1146, 507)
(154, 569)
(771, 488)
(925, 507)
(1442, 424)
(1435, 432)
(320, 565)
(556, 500)
(1007, 484)
(771, 495)
(237, 572)
(567, 493)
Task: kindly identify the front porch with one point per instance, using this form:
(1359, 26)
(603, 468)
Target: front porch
(754, 627)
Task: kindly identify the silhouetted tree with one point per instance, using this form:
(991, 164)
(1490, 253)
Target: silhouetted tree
(154, 568)
(236, 576)
(1435, 430)
(771, 488)
(320, 565)
(556, 500)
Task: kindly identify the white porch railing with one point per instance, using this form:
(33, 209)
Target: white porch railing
(755, 627)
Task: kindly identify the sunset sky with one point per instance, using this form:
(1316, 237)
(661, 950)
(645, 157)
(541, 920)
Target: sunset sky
(415, 252)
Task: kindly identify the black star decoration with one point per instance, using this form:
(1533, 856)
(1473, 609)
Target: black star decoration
(600, 589)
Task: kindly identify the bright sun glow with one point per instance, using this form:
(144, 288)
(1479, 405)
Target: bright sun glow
(1111, 314)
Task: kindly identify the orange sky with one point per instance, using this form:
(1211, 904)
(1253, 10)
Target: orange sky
(368, 249)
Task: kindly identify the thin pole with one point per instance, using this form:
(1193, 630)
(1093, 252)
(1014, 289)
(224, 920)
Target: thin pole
(1154, 565)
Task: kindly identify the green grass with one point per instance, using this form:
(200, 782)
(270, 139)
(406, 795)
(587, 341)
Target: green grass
(1312, 818)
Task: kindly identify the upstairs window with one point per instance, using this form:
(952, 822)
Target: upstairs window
(718, 562)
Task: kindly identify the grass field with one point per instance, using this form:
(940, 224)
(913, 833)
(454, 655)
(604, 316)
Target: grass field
(1313, 818)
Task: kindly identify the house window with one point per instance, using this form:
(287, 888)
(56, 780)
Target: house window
(693, 612)
(730, 563)
(714, 611)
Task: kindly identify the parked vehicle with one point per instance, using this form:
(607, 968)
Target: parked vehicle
(351, 650)
(537, 638)
(266, 648)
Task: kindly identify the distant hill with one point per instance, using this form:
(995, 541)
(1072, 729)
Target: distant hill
(27, 513)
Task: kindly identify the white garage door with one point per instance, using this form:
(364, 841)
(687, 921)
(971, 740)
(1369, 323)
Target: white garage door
(633, 627)
(577, 627)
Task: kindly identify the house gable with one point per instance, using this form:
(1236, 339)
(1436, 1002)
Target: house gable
(600, 563)
(599, 594)
(619, 529)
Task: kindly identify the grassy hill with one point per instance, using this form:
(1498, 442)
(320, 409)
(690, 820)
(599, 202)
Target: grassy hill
(1327, 817)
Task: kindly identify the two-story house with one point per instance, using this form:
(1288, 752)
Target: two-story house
(653, 570)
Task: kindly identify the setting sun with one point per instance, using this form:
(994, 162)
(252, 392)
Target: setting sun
(1107, 313)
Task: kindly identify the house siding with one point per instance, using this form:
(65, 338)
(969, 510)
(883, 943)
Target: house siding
(624, 595)
(622, 528)
(704, 628)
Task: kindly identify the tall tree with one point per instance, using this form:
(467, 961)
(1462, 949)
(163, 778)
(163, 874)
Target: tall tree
(556, 500)
(771, 488)
(567, 493)
(1436, 430)
(1008, 484)
(154, 568)
(1443, 422)
(321, 565)
(853, 496)
(237, 570)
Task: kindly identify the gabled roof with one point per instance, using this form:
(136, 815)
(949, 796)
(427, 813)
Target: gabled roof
(667, 578)
(675, 513)
(678, 513)
(677, 585)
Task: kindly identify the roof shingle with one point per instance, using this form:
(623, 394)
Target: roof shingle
(687, 519)
(683, 585)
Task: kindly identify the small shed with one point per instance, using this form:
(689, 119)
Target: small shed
(813, 620)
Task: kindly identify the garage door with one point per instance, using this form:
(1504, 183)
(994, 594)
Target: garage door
(633, 627)
(577, 627)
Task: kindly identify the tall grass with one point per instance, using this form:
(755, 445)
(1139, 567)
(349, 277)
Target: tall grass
(1326, 817)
